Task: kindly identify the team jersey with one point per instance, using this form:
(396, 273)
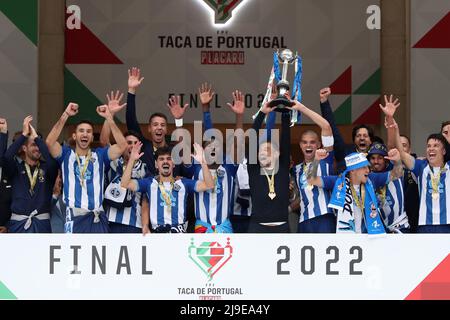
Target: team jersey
(313, 202)
(216, 205)
(433, 210)
(168, 208)
(84, 193)
(130, 216)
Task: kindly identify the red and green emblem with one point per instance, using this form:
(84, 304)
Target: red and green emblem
(210, 257)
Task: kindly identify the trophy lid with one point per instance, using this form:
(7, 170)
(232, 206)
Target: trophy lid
(286, 54)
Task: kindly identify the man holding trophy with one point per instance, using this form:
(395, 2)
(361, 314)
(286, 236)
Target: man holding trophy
(269, 176)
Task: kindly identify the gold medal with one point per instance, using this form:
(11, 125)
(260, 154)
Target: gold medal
(84, 169)
(32, 177)
(271, 182)
(435, 181)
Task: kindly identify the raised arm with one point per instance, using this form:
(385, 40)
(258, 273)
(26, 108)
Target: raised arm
(327, 113)
(126, 181)
(53, 145)
(285, 140)
(208, 182)
(116, 150)
(311, 176)
(134, 81)
(389, 110)
(397, 171)
(206, 95)
(114, 106)
(317, 119)
(175, 107)
(238, 107)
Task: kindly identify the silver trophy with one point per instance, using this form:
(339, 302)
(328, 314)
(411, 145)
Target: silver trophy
(286, 57)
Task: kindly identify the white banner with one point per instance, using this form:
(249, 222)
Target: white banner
(205, 267)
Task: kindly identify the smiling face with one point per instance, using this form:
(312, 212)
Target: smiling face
(164, 164)
(359, 176)
(435, 152)
(213, 151)
(157, 129)
(83, 136)
(362, 140)
(309, 143)
(31, 150)
(377, 163)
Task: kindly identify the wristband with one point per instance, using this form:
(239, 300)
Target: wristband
(327, 141)
(179, 122)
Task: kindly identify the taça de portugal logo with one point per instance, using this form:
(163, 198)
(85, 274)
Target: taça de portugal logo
(210, 257)
(223, 9)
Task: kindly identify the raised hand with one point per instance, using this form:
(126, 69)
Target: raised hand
(136, 151)
(199, 155)
(103, 111)
(175, 108)
(33, 133)
(72, 109)
(390, 106)
(3, 125)
(321, 154)
(134, 79)
(238, 105)
(297, 106)
(206, 94)
(324, 94)
(393, 155)
(26, 125)
(114, 105)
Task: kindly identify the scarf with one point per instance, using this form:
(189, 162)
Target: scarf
(342, 200)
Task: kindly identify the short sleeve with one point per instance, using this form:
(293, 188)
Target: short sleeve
(102, 154)
(190, 185)
(329, 182)
(65, 150)
(143, 184)
(418, 167)
(379, 179)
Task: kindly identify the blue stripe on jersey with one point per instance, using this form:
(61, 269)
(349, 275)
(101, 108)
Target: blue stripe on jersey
(90, 188)
(119, 216)
(66, 184)
(206, 203)
(133, 213)
(220, 200)
(443, 201)
(78, 190)
(174, 209)
(429, 202)
(160, 210)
